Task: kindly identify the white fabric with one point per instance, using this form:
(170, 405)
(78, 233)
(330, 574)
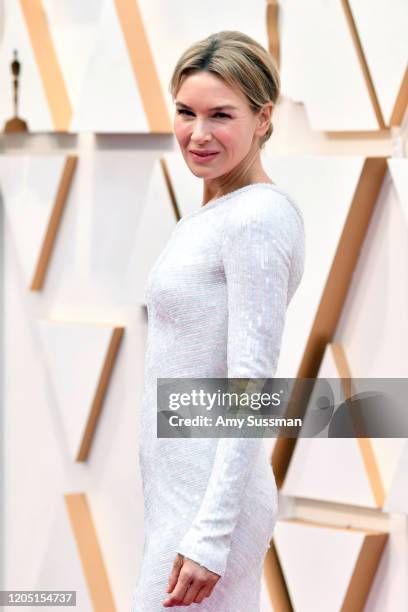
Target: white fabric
(216, 298)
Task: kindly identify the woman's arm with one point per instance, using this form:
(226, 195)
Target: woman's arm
(263, 253)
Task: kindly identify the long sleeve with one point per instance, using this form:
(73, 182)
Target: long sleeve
(262, 252)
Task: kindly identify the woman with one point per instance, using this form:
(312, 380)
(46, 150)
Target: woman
(216, 298)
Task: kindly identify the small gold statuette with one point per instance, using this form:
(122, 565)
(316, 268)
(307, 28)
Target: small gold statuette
(15, 124)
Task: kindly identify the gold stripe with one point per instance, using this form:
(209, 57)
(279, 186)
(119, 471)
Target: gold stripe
(333, 295)
(143, 66)
(364, 572)
(275, 581)
(54, 222)
(371, 467)
(365, 444)
(342, 369)
(89, 552)
(170, 189)
(47, 62)
(110, 360)
(363, 63)
(272, 14)
(401, 102)
(366, 564)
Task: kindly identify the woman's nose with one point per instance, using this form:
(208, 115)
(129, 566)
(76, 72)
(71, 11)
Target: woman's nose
(200, 131)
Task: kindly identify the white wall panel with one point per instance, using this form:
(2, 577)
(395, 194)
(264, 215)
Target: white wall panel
(398, 168)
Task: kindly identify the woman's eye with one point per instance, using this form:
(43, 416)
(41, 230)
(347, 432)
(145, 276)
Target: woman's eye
(183, 111)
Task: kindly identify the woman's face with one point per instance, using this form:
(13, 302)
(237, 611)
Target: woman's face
(227, 130)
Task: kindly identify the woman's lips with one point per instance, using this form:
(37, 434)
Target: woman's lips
(203, 158)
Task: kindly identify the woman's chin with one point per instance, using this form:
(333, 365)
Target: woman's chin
(199, 172)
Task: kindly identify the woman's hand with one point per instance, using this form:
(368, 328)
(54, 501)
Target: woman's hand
(189, 582)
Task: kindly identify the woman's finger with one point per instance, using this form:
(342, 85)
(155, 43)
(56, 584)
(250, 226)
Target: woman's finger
(179, 591)
(174, 574)
(203, 592)
(193, 589)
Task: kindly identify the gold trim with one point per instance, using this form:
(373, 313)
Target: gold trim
(89, 552)
(275, 581)
(272, 27)
(116, 337)
(47, 62)
(364, 572)
(54, 223)
(333, 295)
(401, 102)
(366, 565)
(363, 63)
(169, 185)
(143, 65)
(365, 444)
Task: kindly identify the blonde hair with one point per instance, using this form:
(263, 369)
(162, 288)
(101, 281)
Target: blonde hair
(240, 61)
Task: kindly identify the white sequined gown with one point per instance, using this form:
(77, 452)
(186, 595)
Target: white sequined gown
(216, 298)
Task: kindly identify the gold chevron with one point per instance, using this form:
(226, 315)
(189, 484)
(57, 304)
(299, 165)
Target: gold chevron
(333, 295)
(170, 189)
(272, 14)
(47, 62)
(116, 337)
(143, 65)
(366, 565)
(401, 102)
(366, 447)
(275, 581)
(364, 571)
(89, 552)
(363, 63)
(54, 223)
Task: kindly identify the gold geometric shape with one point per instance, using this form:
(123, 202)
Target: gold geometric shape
(363, 63)
(272, 26)
(315, 471)
(275, 581)
(89, 552)
(365, 444)
(79, 386)
(364, 571)
(54, 223)
(116, 338)
(401, 102)
(334, 294)
(143, 66)
(170, 189)
(382, 30)
(362, 550)
(47, 62)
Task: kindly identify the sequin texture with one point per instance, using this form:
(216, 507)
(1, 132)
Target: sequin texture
(216, 298)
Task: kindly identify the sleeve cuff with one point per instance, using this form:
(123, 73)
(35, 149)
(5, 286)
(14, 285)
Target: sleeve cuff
(210, 553)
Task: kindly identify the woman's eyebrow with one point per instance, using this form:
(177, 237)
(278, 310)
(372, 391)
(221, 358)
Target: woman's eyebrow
(230, 106)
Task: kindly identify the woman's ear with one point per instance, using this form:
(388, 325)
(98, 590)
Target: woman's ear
(264, 118)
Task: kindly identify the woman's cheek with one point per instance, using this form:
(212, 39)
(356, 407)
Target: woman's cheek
(180, 130)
